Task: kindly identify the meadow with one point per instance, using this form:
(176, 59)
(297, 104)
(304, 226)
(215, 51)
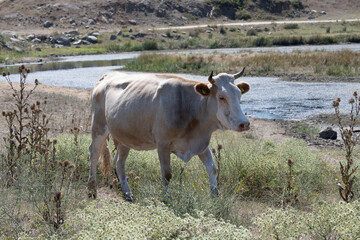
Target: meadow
(268, 189)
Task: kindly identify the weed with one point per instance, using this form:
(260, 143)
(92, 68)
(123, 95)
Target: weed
(347, 134)
(291, 26)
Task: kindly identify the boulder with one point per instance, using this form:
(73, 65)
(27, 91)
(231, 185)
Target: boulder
(328, 133)
(30, 37)
(119, 33)
(92, 39)
(85, 42)
(133, 22)
(36, 40)
(113, 37)
(91, 22)
(48, 24)
(38, 49)
(65, 41)
(96, 34)
(78, 42)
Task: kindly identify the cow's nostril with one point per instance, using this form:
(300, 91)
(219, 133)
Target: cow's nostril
(244, 126)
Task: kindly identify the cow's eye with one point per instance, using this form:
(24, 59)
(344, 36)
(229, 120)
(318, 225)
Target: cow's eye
(221, 98)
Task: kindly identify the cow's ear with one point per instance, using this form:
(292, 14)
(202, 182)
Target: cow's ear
(244, 87)
(202, 89)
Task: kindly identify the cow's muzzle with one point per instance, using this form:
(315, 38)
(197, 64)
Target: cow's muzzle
(243, 126)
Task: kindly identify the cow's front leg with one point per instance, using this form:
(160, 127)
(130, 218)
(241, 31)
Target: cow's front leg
(120, 160)
(208, 160)
(164, 157)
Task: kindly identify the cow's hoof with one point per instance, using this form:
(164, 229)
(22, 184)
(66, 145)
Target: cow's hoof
(92, 194)
(128, 197)
(214, 191)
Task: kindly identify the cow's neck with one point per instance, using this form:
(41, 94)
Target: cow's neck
(207, 114)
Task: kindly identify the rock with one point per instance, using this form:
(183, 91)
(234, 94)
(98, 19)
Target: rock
(14, 39)
(30, 37)
(132, 37)
(17, 49)
(38, 49)
(42, 37)
(36, 40)
(65, 41)
(48, 24)
(78, 42)
(119, 33)
(139, 35)
(132, 22)
(73, 33)
(323, 12)
(95, 34)
(113, 37)
(91, 22)
(92, 39)
(85, 42)
(130, 30)
(328, 133)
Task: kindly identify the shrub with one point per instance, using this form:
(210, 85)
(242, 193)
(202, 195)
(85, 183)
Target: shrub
(236, 4)
(150, 45)
(242, 14)
(325, 221)
(291, 26)
(121, 220)
(261, 42)
(297, 4)
(251, 32)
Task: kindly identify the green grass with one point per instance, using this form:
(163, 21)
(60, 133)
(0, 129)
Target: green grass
(319, 63)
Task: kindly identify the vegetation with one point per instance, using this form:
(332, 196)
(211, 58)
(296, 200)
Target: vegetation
(334, 64)
(217, 37)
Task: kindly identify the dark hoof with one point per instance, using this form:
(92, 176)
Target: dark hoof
(128, 197)
(92, 194)
(214, 191)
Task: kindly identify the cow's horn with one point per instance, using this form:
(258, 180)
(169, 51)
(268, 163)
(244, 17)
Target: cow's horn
(211, 80)
(239, 74)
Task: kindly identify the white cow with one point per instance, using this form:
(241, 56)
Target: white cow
(169, 113)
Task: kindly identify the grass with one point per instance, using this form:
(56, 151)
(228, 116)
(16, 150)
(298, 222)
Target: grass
(220, 37)
(267, 190)
(319, 63)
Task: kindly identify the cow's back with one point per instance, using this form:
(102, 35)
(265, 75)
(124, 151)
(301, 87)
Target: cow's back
(143, 109)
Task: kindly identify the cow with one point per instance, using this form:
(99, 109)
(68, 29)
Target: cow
(165, 112)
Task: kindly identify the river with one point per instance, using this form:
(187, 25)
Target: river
(268, 98)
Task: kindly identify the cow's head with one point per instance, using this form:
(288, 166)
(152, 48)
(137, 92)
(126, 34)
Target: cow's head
(225, 98)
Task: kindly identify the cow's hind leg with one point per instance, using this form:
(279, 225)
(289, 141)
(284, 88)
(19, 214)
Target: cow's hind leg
(120, 160)
(208, 160)
(98, 140)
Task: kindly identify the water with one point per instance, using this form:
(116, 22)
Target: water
(268, 98)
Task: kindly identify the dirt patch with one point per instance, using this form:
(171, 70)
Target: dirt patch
(67, 107)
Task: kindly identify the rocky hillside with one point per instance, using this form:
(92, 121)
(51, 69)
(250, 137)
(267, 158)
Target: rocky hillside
(65, 14)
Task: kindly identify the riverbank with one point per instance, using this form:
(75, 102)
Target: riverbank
(295, 66)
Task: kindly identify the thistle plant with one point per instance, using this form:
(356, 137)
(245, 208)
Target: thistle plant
(17, 122)
(347, 169)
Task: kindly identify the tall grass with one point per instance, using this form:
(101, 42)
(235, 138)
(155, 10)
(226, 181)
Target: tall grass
(334, 64)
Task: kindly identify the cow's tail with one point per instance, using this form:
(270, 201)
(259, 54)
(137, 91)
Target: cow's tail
(105, 159)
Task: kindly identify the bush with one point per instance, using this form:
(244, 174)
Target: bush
(150, 45)
(242, 14)
(291, 26)
(236, 4)
(262, 42)
(325, 221)
(114, 219)
(251, 32)
(297, 4)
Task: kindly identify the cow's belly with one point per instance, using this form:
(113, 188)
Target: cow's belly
(185, 149)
